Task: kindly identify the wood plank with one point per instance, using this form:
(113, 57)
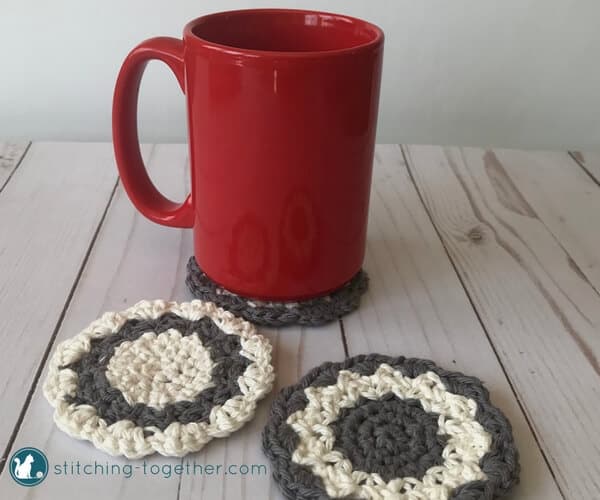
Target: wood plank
(134, 259)
(590, 161)
(11, 154)
(564, 197)
(416, 306)
(49, 213)
(522, 284)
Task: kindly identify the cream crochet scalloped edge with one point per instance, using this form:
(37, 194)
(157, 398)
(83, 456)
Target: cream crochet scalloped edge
(124, 437)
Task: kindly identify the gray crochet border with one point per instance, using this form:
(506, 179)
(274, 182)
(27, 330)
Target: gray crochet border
(313, 312)
(500, 464)
(93, 388)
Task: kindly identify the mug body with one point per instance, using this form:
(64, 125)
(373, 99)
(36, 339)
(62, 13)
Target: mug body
(282, 112)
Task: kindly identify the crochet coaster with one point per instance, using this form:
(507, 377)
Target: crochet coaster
(313, 312)
(382, 427)
(159, 377)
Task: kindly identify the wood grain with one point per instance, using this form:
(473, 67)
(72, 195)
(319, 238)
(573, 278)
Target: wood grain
(590, 161)
(49, 213)
(134, 259)
(416, 306)
(534, 305)
(564, 198)
(11, 154)
(519, 229)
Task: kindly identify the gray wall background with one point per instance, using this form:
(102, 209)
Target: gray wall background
(512, 73)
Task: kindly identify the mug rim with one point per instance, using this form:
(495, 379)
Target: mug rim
(190, 35)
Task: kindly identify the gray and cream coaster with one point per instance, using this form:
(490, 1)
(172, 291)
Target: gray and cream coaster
(159, 377)
(379, 427)
(312, 312)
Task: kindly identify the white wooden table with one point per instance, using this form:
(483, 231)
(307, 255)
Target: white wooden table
(484, 261)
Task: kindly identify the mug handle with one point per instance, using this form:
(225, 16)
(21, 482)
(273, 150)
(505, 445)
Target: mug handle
(142, 192)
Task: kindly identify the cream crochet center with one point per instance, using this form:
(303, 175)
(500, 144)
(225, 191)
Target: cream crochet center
(160, 369)
(467, 441)
(140, 369)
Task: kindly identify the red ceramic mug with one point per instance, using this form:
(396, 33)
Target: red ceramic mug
(282, 111)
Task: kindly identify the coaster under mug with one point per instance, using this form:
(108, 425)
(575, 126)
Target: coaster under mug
(312, 312)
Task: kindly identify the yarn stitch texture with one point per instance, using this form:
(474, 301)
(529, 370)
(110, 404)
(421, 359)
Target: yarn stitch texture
(313, 312)
(159, 377)
(379, 427)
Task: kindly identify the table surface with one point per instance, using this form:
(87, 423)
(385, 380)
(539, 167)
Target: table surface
(486, 261)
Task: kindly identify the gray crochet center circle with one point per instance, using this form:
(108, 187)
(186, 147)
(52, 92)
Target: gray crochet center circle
(313, 312)
(93, 387)
(391, 437)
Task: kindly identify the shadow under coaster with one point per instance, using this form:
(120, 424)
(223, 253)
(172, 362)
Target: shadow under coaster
(312, 312)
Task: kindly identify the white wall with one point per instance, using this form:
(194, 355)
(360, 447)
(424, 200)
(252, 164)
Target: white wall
(518, 73)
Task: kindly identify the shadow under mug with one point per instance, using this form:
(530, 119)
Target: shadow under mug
(282, 113)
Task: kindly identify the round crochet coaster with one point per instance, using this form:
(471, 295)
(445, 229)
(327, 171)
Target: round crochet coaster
(159, 377)
(313, 312)
(380, 427)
